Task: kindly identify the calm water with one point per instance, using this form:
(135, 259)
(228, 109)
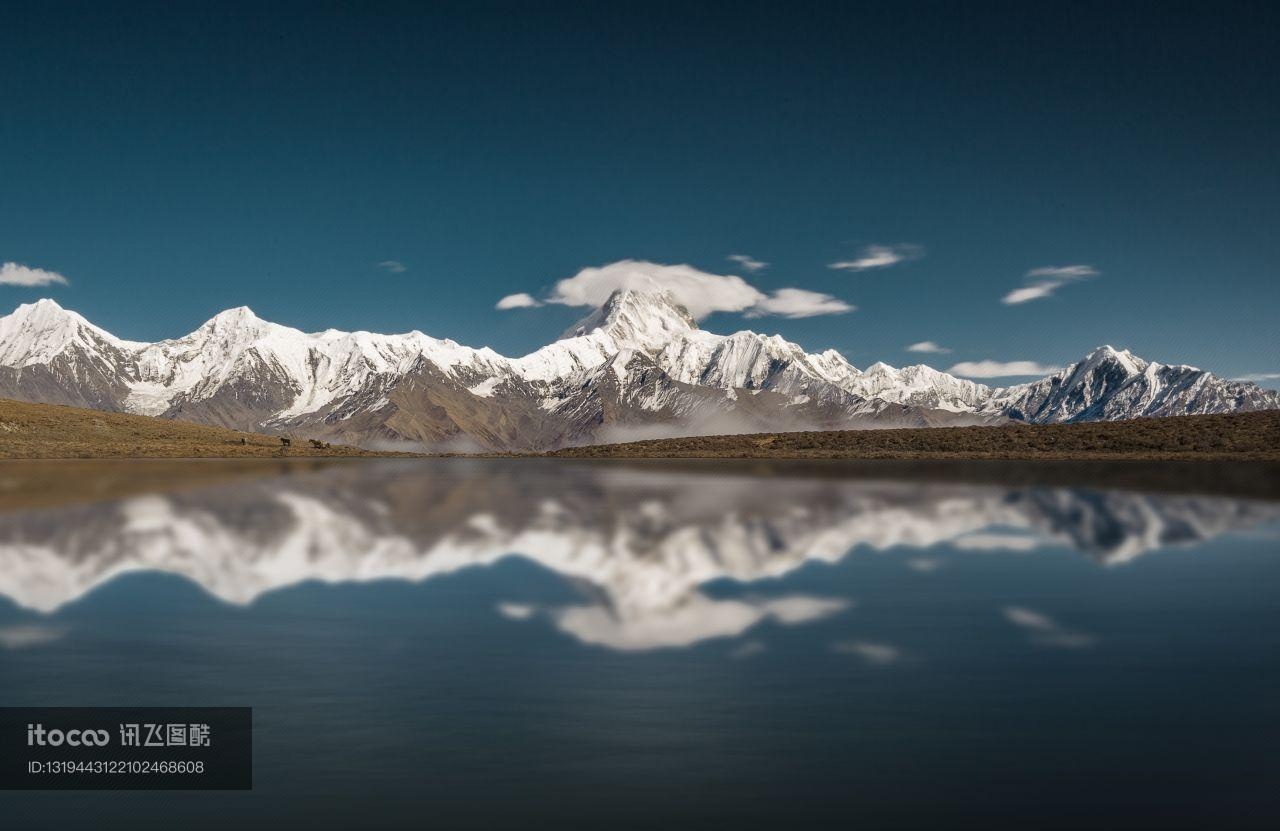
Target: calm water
(502, 643)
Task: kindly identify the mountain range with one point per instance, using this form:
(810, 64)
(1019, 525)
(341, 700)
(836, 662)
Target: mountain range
(637, 367)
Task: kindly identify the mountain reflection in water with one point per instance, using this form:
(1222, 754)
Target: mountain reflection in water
(640, 544)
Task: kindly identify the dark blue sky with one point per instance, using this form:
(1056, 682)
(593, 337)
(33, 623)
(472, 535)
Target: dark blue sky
(177, 159)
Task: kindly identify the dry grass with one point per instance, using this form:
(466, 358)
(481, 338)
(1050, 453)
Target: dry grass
(50, 431)
(1238, 436)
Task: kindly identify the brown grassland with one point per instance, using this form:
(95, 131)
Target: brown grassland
(49, 431)
(1237, 436)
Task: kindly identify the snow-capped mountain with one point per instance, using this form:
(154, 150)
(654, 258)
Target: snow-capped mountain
(639, 366)
(50, 354)
(1110, 384)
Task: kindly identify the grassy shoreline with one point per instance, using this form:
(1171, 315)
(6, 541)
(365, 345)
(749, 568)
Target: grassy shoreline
(53, 431)
(49, 431)
(1210, 438)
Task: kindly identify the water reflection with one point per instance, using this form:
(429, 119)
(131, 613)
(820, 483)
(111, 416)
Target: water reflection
(640, 544)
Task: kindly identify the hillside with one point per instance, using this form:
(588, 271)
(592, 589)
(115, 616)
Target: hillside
(51, 431)
(1237, 436)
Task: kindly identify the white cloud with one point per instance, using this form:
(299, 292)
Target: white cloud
(393, 266)
(517, 301)
(797, 303)
(1045, 280)
(929, 347)
(997, 542)
(801, 608)
(27, 636)
(516, 611)
(1000, 369)
(879, 654)
(746, 650)
(748, 262)
(696, 619)
(1259, 377)
(1029, 619)
(1028, 293)
(1043, 630)
(13, 274)
(701, 292)
(1064, 272)
(880, 256)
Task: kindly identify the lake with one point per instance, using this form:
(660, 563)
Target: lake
(486, 643)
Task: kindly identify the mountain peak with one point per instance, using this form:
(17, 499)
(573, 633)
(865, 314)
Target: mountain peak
(44, 315)
(35, 332)
(1109, 355)
(237, 322)
(43, 309)
(239, 314)
(637, 319)
(1107, 351)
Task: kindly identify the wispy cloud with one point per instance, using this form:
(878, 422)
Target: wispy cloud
(517, 611)
(701, 292)
(1064, 272)
(878, 654)
(393, 266)
(748, 262)
(517, 301)
(997, 542)
(928, 347)
(1000, 369)
(27, 636)
(14, 274)
(1259, 377)
(800, 608)
(880, 256)
(747, 650)
(924, 565)
(1043, 630)
(1045, 280)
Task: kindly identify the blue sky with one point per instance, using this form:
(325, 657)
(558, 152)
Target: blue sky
(177, 159)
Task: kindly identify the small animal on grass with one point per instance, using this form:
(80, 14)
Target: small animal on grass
(284, 442)
(317, 444)
(243, 440)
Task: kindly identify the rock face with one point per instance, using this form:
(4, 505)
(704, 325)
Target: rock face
(638, 367)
